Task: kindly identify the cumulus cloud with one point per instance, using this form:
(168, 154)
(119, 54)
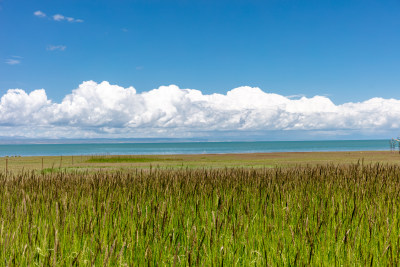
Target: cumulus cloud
(102, 109)
(56, 47)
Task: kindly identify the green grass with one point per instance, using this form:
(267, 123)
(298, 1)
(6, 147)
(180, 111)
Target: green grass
(123, 159)
(257, 160)
(311, 215)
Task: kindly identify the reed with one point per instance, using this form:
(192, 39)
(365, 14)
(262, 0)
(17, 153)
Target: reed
(315, 215)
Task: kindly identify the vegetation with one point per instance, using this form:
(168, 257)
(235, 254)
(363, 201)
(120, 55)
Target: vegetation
(319, 215)
(256, 160)
(122, 159)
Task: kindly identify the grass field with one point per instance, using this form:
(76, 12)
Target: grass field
(325, 211)
(119, 162)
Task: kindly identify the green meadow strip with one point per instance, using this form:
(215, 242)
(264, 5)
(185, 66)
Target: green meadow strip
(322, 215)
(121, 159)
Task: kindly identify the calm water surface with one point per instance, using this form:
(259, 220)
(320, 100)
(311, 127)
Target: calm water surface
(189, 147)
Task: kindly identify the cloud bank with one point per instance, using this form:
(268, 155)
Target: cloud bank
(105, 110)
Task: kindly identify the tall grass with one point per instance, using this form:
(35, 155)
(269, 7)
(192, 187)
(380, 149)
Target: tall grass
(323, 215)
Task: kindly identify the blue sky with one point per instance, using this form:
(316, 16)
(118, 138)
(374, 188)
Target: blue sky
(347, 51)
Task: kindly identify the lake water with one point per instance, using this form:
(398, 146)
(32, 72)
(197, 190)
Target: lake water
(189, 147)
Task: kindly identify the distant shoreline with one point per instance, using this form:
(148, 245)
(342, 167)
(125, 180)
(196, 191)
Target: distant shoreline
(17, 141)
(215, 154)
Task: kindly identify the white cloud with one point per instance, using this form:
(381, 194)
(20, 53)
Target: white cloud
(56, 17)
(12, 61)
(19, 108)
(59, 17)
(104, 110)
(39, 14)
(56, 47)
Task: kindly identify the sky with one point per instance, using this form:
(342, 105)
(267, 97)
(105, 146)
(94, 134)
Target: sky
(264, 69)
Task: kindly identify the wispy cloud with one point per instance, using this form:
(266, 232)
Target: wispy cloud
(59, 17)
(295, 96)
(101, 108)
(56, 17)
(13, 60)
(56, 47)
(39, 14)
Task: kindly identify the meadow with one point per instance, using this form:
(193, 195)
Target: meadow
(319, 214)
(132, 162)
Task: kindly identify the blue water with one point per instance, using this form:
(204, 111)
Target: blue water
(189, 148)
